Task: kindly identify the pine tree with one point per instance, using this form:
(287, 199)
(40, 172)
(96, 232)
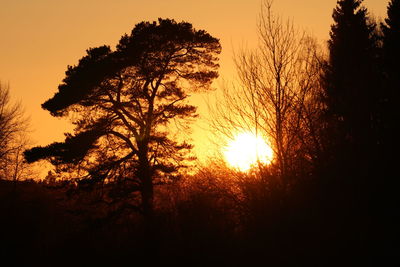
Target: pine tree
(123, 104)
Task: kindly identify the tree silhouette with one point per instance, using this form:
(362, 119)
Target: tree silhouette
(351, 80)
(123, 103)
(351, 87)
(348, 74)
(276, 95)
(13, 139)
(391, 36)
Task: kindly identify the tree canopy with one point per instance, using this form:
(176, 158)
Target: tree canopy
(122, 103)
(351, 84)
(350, 63)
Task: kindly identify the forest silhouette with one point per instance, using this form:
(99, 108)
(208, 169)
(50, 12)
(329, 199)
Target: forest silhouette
(125, 188)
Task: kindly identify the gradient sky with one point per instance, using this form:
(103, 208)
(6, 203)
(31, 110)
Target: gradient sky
(39, 38)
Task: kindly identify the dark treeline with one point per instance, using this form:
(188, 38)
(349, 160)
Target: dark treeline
(123, 191)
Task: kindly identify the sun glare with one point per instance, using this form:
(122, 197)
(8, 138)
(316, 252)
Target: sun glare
(246, 149)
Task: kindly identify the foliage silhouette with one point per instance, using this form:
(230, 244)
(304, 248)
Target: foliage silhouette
(122, 104)
(353, 84)
(350, 71)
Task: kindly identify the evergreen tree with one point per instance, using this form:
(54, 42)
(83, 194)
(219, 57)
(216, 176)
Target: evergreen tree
(351, 85)
(391, 38)
(123, 103)
(350, 73)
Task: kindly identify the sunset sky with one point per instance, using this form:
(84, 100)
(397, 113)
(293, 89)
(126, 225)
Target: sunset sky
(39, 38)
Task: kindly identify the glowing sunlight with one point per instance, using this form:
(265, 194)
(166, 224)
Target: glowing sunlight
(246, 149)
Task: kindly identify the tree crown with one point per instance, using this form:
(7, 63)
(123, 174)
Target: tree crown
(122, 102)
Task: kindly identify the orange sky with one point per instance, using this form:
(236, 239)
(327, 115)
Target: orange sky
(39, 38)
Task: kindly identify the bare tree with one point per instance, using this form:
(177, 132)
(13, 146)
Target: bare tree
(13, 138)
(277, 92)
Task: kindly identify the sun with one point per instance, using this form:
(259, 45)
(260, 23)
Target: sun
(246, 149)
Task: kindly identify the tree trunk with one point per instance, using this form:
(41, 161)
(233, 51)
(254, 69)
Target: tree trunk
(145, 176)
(150, 242)
(147, 196)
